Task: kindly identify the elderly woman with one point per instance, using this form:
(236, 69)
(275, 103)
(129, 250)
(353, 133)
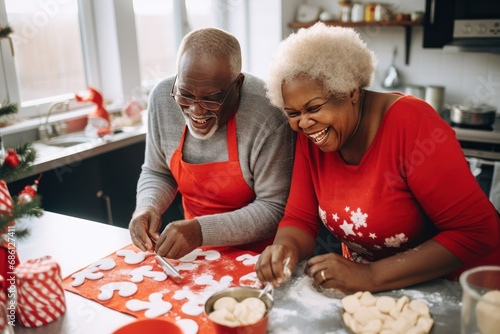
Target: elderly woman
(382, 171)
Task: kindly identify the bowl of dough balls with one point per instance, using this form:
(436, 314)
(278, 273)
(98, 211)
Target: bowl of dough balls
(239, 310)
(366, 313)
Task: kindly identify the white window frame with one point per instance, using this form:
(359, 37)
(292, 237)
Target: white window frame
(110, 57)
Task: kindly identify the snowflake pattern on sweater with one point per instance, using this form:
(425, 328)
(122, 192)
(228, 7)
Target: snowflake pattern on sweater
(351, 231)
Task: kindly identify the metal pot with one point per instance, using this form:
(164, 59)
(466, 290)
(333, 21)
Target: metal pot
(479, 115)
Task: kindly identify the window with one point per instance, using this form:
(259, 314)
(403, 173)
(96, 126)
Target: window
(160, 26)
(61, 46)
(202, 13)
(47, 48)
(154, 21)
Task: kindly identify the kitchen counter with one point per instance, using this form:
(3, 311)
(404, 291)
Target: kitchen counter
(51, 157)
(75, 243)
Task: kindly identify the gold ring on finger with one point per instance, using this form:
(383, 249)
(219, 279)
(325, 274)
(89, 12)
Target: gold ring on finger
(323, 275)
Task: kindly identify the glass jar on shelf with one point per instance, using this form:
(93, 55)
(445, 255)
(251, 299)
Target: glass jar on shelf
(370, 12)
(358, 12)
(382, 12)
(345, 10)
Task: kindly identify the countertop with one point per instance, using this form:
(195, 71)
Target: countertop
(298, 307)
(50, 157)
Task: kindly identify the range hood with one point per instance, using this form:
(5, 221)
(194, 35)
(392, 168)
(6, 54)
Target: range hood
(462, 25)
(489, 45)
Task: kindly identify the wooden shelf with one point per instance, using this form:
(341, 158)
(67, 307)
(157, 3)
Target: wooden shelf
(296, 25)
(408, 25)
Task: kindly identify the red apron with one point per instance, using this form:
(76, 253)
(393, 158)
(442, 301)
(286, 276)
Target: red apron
(215, 187)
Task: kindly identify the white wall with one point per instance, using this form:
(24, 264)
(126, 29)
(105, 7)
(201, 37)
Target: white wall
(466, 76)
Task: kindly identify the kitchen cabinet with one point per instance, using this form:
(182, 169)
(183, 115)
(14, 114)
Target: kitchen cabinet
(101, 188)
(407, 25)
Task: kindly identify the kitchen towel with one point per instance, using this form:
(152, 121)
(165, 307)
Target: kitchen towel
(130, 281)
(495, 186)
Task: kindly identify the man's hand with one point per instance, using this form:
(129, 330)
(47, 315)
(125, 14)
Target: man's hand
(144, 228)
(179, 238)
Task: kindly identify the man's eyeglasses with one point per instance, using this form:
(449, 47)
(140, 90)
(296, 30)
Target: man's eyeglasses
(205, 104)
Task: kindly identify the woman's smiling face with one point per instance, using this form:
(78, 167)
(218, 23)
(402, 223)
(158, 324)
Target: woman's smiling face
(328, 122)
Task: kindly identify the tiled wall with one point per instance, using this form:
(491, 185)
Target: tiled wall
(466, 76)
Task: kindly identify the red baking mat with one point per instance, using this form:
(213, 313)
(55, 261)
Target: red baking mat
(204, 271)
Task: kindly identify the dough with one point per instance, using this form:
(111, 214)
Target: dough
(254, 303)
(229, 312)
(224, 317)
(488, 312)
(365, 313)
(227, 303)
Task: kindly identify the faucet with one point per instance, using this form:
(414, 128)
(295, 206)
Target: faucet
(45, 130)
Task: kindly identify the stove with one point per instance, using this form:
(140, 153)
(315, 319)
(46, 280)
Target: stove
(479, 142)
(481, 147)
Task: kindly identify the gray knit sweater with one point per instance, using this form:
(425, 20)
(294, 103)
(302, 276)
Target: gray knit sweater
(265, 150)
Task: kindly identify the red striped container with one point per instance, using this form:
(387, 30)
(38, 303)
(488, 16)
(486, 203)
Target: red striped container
(40, 294)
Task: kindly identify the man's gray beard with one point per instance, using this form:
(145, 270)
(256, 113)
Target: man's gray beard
(196, 135)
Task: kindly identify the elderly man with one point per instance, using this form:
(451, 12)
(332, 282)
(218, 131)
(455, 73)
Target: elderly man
(212, 136)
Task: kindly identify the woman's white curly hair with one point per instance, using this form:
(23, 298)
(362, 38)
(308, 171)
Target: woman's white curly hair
(336, 57)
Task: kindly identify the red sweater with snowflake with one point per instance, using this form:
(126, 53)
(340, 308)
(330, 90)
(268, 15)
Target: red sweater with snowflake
(412, 184)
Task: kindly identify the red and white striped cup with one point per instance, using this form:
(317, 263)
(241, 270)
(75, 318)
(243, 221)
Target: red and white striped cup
(40, 294)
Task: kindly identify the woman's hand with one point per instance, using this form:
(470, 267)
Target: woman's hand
(179, 238)
(276, 264)
(333, 271)
(428, 261)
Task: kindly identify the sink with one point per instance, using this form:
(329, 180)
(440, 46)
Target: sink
(68, 140)
(77, 138)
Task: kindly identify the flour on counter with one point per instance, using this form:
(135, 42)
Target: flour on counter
(304, 292)
(309, 305)
(281, 314)
(439, 303)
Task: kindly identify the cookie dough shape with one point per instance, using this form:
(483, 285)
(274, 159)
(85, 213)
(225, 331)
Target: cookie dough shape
(125, 289)
(365, 313)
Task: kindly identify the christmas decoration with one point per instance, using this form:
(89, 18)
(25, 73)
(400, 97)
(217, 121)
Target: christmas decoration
(98, 120)
(29, 192)
(25, 153)
(6, 110)
(40, 293)
(12, 159)
(5, 31)
(13, 163)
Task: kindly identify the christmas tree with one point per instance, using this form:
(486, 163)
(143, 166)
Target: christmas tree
(5, 31)
(14, 163)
